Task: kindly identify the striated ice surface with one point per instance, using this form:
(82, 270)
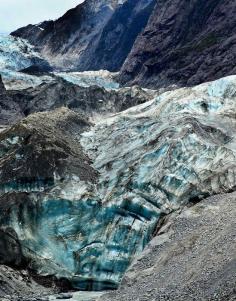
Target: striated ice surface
(100, 78)
(151, 160)
(16, 53)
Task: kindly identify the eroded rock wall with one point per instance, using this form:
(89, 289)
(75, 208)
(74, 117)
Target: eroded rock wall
(184, 43)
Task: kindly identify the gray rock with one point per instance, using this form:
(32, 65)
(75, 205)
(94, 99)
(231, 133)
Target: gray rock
(92, 101)
(19, 285)
(185, 43)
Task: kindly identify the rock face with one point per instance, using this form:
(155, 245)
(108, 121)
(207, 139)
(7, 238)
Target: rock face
(54, 129)
(31, 32)
(9, 110)
(118, 36)
(2, 87)
(95, 35)
(195, 252)
(82, 201)
(68, 38)
(184, 43)
(17, 285)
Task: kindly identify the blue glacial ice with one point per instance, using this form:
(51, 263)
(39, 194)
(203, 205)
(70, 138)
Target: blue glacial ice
(152, 160)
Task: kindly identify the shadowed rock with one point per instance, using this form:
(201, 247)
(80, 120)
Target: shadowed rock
(184, 43)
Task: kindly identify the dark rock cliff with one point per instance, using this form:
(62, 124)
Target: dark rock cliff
(119, 35)
(65, 40)
(94, 35)
(185, 43)
(32, 32)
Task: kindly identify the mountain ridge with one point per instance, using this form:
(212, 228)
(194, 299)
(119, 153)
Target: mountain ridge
(79, 39)
(177, 42)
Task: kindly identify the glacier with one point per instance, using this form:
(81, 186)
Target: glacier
(82, 200)
(17, 54)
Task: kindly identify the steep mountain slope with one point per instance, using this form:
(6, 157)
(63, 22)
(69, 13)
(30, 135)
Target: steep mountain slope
(185, 43)
(118, 36)
(94, 35)
(65, 40)
(83, 200)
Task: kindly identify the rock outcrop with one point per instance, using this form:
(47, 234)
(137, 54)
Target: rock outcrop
(184, 43)
(192, 258)
(82, 200)
(65, 41)
(9, 110)
(19, 285)
(92, 101)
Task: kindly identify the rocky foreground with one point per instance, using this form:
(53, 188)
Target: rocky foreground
(93, 101)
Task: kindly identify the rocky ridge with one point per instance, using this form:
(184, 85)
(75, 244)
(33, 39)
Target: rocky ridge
(92, 36)
(91, 100)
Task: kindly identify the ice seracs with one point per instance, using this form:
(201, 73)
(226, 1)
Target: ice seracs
(17, 54)
(95, 193)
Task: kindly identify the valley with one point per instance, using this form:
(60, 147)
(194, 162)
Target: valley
(118, 154)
